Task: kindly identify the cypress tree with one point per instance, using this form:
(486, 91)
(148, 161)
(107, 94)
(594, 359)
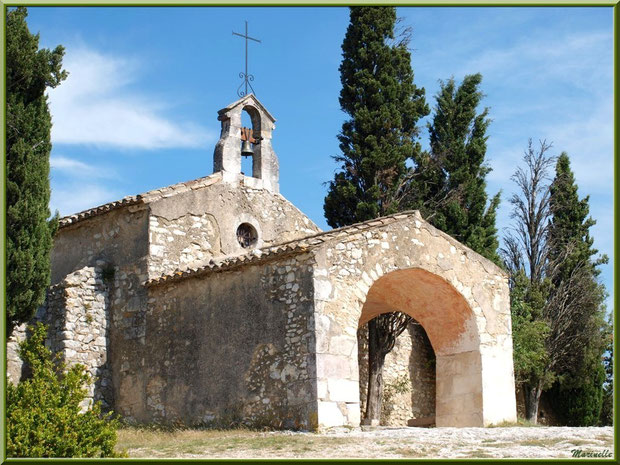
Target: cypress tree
(381, 134)
(570, 243)
(449, 186)
(384, 106)
(577, 300)
(29, 71)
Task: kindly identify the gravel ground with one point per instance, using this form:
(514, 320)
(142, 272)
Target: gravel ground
(514, 442)
(517, 442)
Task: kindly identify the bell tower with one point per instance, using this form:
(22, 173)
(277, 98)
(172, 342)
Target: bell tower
(255, 141)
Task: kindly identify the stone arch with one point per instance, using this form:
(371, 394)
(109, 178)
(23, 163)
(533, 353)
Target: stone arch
(471, 337)
(450, 325)
(431, 300)
(255, 117)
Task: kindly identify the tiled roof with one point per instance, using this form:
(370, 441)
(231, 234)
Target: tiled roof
(141, 198)
(293, 247)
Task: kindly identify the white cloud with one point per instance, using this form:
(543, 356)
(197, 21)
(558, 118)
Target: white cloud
(72, 167)
(95, 106)
(587, 137)
(575, 59)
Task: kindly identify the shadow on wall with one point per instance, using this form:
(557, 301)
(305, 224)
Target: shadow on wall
(408, 373)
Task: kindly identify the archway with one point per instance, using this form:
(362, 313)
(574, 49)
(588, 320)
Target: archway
(450, 325)
(401, 263)
(409, 380)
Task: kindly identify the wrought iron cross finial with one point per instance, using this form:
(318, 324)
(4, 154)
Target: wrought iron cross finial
(247, 78)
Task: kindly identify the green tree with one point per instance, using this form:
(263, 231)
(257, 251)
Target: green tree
(384, 106)
(577, 396)
(570, 244)
(557, 304)
(448, 185)
(29, 71)
(576, 304)
(380, 136)
(529, 330)
(44, 415)
(458, 140)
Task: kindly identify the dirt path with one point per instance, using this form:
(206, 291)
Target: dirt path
(517, 442)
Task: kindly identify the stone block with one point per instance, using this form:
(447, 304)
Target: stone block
(343, 390)
(459, 420)
(322, 289)
(329, 415)
(343, 345)
(424, 422)
(353, 413)
(333, 366)
(321, 386)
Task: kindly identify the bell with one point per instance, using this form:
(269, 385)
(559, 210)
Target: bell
(246, 149)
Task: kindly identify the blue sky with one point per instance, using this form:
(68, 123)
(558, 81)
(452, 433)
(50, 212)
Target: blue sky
(139, 108)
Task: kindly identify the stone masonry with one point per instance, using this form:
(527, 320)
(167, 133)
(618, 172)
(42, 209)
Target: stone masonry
(217, 299)
(77, 321)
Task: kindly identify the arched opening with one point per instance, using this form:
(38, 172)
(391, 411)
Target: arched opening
(442, 345)
(408, 377)
(250, 143)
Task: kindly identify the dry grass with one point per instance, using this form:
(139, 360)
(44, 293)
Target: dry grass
(479, 454)
(521, 422)
(579, 442)
(206, 443)
(411, 452)
(401, 443)
(538, 442)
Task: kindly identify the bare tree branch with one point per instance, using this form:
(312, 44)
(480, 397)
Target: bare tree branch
(525, 243)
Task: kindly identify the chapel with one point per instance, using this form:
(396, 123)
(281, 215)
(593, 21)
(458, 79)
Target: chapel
(218, 299)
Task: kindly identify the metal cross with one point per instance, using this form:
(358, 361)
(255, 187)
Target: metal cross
(245, 76)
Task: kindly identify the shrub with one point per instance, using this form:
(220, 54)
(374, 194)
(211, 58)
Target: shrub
(44, 412)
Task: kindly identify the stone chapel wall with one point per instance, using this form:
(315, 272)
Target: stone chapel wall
(473, 344)
(118, 237)
(116, 243)
(228, 345)
(193, 226)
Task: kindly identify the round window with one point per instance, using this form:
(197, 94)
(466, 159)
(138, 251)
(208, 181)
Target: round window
(246, 235)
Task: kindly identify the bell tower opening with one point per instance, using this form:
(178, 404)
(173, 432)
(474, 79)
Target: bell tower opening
(247, 152)
(250, 140)
(245, 145)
